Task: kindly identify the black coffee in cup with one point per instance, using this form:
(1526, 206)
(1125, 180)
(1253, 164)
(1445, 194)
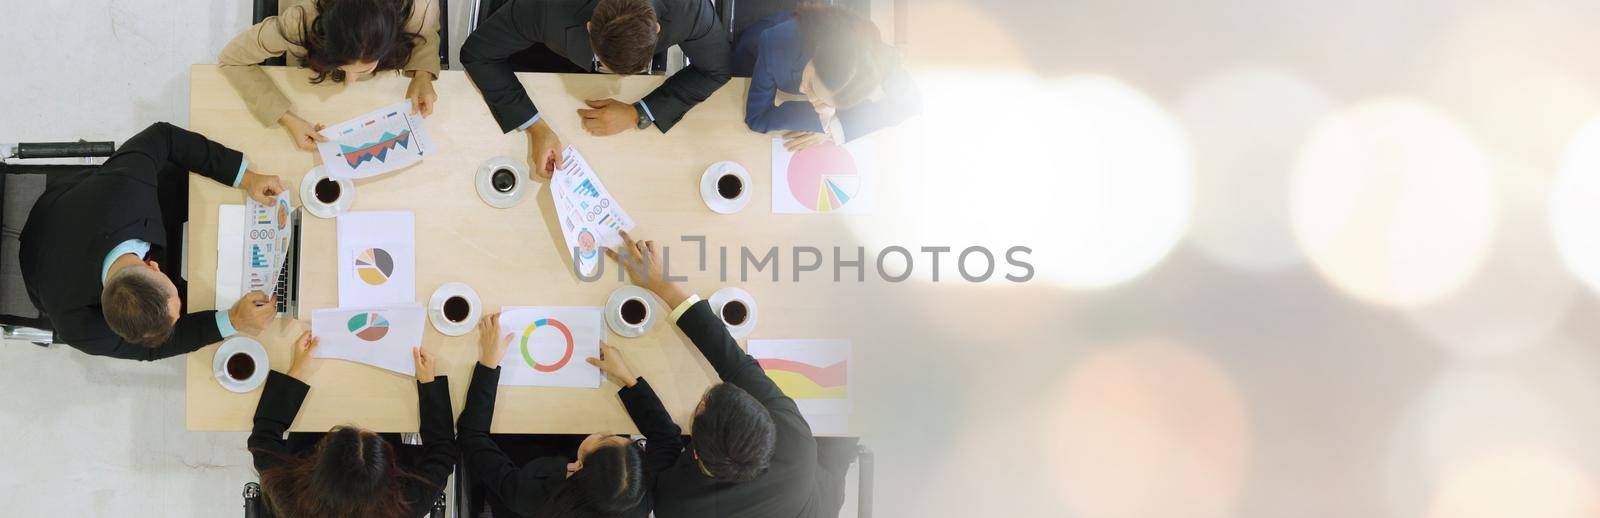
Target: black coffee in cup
(735, 312)
(456, 308)
(327, 190)
(240, 366)
(634, 312)
(503, 180)
(730, 186)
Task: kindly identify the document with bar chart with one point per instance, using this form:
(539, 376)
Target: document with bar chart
(590, 217)
(267, 238)
(385, 140)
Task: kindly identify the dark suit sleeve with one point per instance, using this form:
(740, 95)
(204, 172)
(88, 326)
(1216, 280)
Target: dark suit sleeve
(488, 465)
(709, 68)
(86, 330)
(280, 402)
(164, 144)
(900, 102)
(439, 452)
(759, 112)
(487, 53)
(711, 336)
(664, 440)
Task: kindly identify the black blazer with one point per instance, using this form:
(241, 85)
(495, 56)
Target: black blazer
(81, 216)
(562, 26)
(281, 400)
(793, 486)
(524, 488)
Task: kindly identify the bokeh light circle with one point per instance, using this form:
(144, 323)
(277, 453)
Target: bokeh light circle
(1575, 206)
(1246, 125)
(1150, 429)
(1393, 202)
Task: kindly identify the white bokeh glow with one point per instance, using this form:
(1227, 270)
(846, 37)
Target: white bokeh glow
(1393, 202)
(1575, 206)
(1091, 174)
(1528, 483)
(1246, 125)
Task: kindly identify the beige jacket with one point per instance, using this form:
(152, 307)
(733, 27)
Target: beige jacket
(276, 36)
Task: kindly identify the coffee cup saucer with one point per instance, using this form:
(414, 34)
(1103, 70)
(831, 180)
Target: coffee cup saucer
(713, 199)
(308, 194)
(613, 311)
(245, 345)
(728, 294)
(436, 309)
(484, 182)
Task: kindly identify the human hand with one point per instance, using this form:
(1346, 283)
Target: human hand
(797, 140)
(301, 355)
(544, 149)
(492, 347)
(425, 364)
(251, 314)
(608, 117)
(260, 187)
(612, 363)
(302, 133)
(421, 93)
(642, 260)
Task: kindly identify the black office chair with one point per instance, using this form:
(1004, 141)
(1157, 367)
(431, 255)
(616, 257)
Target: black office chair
(20, 187)
(252, 502)
(261, 9)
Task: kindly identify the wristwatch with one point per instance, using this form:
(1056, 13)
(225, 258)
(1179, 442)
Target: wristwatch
(644, 116)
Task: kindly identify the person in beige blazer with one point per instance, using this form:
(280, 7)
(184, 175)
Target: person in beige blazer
(339, 40)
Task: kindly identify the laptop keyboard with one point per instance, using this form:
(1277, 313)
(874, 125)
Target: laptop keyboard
(281, 291)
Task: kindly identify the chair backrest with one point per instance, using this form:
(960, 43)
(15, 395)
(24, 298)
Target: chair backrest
(20, 187)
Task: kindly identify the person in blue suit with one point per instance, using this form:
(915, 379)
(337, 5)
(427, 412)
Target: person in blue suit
(821, 73)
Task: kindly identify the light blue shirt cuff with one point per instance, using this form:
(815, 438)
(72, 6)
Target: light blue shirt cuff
(240, 177)
(131, 246)
(530, 122)
(647, 113)
(224, 324)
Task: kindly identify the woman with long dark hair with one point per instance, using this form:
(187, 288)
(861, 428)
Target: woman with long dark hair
(350, 472)
(821, 73)
(339, 40)
(607, 476)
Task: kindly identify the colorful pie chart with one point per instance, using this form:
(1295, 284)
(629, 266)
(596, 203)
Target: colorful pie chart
(547, 324)
(374, 266)
(368, 326)
(823, 177)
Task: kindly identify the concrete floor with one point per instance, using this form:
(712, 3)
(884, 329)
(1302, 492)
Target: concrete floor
(89, 436)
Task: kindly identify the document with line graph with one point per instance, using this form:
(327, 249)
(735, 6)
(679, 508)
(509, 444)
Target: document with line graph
(382, 141)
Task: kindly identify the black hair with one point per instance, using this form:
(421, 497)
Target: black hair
(846, 50)
(610, 483)
(733, 434)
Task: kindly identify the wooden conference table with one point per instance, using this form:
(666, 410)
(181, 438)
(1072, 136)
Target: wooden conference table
(511, 256)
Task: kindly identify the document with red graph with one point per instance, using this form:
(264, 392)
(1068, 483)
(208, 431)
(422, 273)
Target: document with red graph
(382, 141)
(815, 374)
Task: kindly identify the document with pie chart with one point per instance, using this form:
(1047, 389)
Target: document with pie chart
(815, 374)
(550, 346)
(381, 337)
(377, 259)
(825, 178)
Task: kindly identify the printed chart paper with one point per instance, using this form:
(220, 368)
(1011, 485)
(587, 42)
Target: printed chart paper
(267, 238)
(590, 218)
(823, 178)
(380, 337)
(816, 374)
(387, 139)
(377, 259)
(550, 346)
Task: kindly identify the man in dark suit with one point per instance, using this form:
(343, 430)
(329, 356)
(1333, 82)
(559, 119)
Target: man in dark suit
(618, 36)
(96, 240)
(752, 453)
